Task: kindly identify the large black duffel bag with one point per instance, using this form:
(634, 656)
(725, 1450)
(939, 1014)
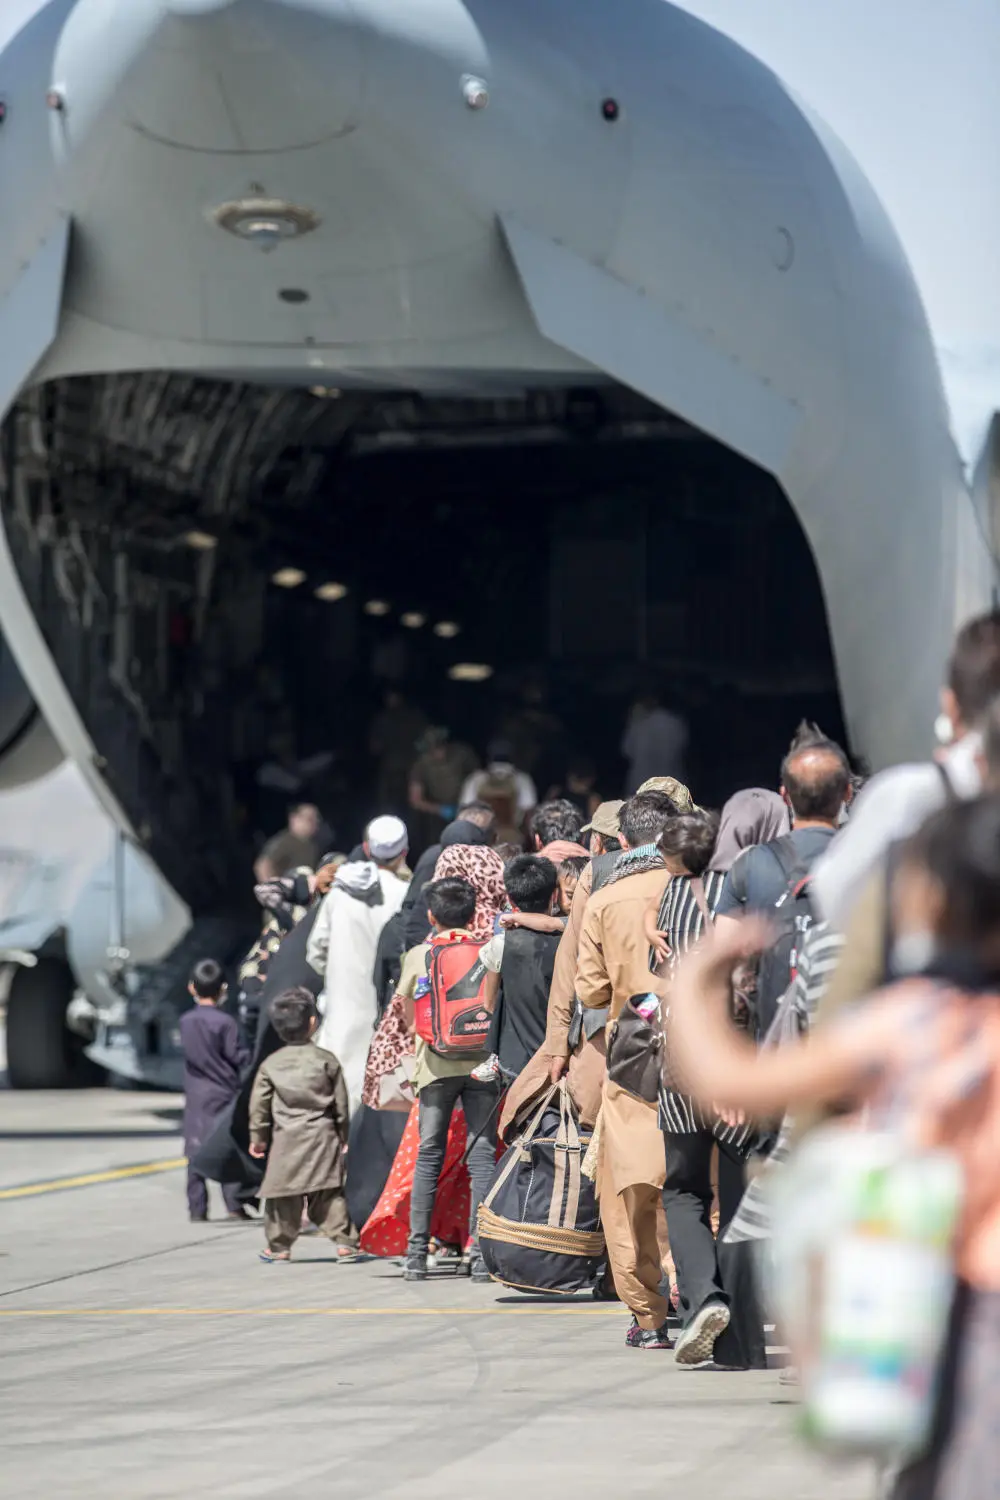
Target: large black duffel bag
(539, 1229)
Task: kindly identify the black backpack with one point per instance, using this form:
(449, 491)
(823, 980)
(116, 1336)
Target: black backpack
(792, 915)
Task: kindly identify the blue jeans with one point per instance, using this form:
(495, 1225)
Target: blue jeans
(437, 1100)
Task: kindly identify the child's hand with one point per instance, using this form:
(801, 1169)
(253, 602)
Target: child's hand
(256, 1150)
(656, 939)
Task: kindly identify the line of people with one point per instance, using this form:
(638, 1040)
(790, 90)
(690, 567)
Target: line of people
(713, 942)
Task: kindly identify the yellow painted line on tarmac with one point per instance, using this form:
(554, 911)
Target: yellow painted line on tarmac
(91, 1179)
(304, 1312)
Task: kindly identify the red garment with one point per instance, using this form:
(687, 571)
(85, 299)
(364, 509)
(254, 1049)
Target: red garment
(388, 1229)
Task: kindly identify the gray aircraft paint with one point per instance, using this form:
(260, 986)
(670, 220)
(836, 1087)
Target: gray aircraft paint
(717, 247)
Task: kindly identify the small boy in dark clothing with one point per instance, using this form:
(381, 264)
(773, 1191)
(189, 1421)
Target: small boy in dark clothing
(299, 1120)
(520, 960)
(214, 1059)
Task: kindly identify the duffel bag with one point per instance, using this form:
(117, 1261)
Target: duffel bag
(539, 1227)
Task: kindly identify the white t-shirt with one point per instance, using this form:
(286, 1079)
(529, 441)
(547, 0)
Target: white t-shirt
(527, 795)
(892, 806)
(491, 953)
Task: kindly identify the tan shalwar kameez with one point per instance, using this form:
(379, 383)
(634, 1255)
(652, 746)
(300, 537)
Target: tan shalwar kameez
(299, 1108)
(613, 965)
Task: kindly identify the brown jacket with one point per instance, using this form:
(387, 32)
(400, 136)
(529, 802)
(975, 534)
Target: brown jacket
(299, 1108)
(613, 963)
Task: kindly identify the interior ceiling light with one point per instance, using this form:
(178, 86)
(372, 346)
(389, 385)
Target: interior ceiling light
(470, 671)
(265, 222)
(288, 578)
(328, 391)
(331, 592)
(413, 619)
(447, 629)
(200, 541)
(377, 607)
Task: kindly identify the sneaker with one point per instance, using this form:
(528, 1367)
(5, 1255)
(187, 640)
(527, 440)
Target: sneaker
(648, 1338)
(478, 1271)
(238, 1216)
(198, 1218)
(415, 1268)
(488, 1071)
(697, 1343)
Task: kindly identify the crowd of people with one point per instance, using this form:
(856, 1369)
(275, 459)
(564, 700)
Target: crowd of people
(802, 952)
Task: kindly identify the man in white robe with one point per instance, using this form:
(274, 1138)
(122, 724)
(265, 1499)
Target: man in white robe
(364, 895)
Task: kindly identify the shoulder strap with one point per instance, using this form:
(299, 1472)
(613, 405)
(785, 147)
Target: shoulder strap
(738, 879)
(443, 940)
(517, 1150)
(949, 786)
(792, 866)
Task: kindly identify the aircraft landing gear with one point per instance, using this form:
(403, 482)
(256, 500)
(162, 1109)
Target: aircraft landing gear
(42, 1052)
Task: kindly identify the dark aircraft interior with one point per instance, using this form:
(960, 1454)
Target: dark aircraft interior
(231, 575)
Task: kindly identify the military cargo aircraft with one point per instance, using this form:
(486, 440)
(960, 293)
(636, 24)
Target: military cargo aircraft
(245, 242)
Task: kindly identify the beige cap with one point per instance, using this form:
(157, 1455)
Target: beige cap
(675, 790)
(605, 819)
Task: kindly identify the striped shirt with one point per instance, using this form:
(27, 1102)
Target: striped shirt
(682, 920)
(680, 916)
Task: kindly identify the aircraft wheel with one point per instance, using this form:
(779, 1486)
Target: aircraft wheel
(42, 1053)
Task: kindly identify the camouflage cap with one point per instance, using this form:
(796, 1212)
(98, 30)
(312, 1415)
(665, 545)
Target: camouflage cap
(675, 790)
(605, 820)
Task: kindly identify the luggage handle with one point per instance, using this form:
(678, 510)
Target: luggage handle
(567, 1164)
(518, 1156)
(568, 1134)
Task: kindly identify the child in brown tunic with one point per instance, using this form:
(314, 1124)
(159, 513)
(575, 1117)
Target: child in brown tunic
(299, 1119)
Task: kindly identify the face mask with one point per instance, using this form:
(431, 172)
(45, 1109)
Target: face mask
(911, 953)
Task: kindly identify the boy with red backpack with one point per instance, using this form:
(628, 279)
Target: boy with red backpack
(441, 984)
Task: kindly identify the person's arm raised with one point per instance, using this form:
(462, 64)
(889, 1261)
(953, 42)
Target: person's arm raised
(720, 1066)
(534, 921)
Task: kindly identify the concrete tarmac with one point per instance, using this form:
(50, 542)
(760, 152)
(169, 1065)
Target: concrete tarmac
(145, 1358)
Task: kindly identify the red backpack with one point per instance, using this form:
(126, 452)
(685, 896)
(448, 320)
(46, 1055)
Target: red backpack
(449, 1014)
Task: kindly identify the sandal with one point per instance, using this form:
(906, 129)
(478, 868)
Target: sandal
(270, 1256)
